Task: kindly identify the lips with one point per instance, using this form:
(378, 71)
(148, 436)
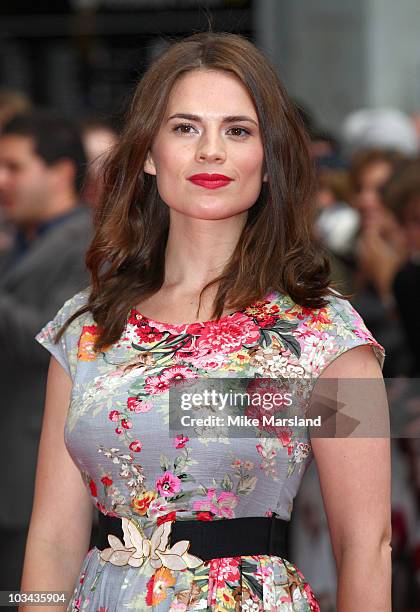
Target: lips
(210, 181)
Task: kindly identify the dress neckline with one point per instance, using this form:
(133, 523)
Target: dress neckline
(164, 325)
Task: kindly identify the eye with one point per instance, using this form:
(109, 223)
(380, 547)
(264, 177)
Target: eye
(238, 132)
(184, 128)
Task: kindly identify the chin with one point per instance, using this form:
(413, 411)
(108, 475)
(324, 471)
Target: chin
(216, 213)
(208, 209)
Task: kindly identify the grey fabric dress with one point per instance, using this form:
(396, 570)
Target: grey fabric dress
(135, 468)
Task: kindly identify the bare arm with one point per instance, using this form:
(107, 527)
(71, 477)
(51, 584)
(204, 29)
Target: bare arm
(59, 532)
(355, 479)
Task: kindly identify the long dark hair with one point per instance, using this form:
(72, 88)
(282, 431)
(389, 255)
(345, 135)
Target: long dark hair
(276, 250)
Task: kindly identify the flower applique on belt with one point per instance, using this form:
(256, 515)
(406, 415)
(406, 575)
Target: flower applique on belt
(136, 548)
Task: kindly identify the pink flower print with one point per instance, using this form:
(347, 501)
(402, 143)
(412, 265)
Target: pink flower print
(229, 334)
(135, 317)
(136, 405)
(362, 331)
(226, 569)
(299, 312)
(195, 329)
(305, 332)
(92, 487)
(204, 358)
(364, 334)
(174, 330)
(126, 424)
(148, 334)
(180, 441)
(220, 505)
(264, 574)
(187, 349)
(114, 415)
(169, 376)
(157, 508)
(267, 394)
(199, 356)
(266, 320)
(311, 598)
(156, 384)
(177, 374)
(168, 484)
(320, 315)
(135, 446)
(282, 433)
(265, 453)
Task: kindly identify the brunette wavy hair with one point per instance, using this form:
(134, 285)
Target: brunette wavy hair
(276, 250)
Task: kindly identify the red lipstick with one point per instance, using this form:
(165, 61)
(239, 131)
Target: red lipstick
(210, 181)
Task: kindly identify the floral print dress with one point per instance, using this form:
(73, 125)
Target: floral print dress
(133, 467)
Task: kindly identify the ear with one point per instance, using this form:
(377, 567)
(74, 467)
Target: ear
(149, 165)
(63, 169)
(265, 177)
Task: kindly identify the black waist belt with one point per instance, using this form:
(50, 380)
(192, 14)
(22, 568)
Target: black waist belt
(213, 539)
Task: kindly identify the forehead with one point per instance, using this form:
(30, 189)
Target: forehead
(17, 147)
(376, 171)
(212, 92)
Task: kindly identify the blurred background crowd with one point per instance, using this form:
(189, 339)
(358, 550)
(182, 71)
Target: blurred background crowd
(353, 69)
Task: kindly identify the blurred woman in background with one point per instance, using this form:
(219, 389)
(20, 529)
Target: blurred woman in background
(378, 252)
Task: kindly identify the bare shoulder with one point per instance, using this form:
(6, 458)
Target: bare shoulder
(357, 362)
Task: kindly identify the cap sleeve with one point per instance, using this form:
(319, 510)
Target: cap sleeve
(349, 330)
(65, 351)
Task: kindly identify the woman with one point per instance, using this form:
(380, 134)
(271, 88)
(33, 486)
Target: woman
(202, 266)
(381, 247)
(379, 250)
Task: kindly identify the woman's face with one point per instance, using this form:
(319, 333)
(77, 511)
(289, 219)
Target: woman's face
(208, 153)
(367, 198)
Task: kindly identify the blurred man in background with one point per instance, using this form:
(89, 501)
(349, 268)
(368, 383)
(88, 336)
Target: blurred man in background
(41, 169)
(12, 103)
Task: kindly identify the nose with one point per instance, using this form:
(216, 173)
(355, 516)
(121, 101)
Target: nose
(368, 199)
(211, 148)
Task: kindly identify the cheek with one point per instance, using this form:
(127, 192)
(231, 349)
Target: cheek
(251, 165)
(33, 186)
(24, 187)
(170, 165)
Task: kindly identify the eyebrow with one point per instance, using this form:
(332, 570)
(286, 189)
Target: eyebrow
(228, 119)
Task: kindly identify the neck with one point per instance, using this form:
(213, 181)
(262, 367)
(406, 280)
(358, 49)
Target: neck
(198, 250)
(54, 207)
(58, 204)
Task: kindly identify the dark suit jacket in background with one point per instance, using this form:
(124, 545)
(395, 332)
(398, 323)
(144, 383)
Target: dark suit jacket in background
(31, 291)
